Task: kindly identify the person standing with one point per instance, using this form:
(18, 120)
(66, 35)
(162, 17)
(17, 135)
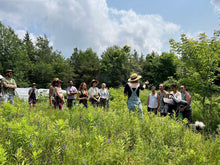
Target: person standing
(104, 96)
(52, 91)
(161, 105)
(176, 96)
(152, 101)
(9, 86)
(82, 95)
(186, 110)
(94, 95)
(71, 91)
(32, 93)
(131, 90)
(59, 98)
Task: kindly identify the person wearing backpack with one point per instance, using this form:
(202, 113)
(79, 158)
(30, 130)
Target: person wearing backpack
(32, 93)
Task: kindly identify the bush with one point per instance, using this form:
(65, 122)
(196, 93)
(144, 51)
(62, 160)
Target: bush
(99, 136)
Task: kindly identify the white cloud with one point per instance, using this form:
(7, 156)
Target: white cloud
(216, 3)
(88, 23)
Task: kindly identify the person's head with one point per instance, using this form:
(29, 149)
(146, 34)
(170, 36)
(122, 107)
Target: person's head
(173, 87)
(153, 88)
(59, 83)
(94, 83)
(183, 88)
(70, 82)
(134, 78)
(34, 85)
(161, 87)
(83, 86)
(103, 85)
(53, 81)
(8, 73)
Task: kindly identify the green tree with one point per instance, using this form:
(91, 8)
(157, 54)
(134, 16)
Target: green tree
(85, 65)
(115, 65)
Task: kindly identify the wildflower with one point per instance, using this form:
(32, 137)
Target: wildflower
(30, 144)
(64, 146)
(38, 123)
(61, 149)
(31, 136)
(50, 162)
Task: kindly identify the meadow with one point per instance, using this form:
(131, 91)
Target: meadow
(99, 136)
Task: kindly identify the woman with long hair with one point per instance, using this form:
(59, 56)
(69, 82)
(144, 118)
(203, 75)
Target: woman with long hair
(52, 91)
(82, 95)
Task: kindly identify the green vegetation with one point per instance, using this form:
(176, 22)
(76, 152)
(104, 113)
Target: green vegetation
(99, 136)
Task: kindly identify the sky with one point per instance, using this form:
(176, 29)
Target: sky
(144, 25)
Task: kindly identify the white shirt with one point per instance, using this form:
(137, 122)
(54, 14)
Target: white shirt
(70, 90)
(104, 93)
(177, 96)
(93, 92)
(152, 101)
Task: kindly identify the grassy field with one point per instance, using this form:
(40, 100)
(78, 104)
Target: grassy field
(99, 136)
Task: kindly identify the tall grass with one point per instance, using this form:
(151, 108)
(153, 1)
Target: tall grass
(99, 136)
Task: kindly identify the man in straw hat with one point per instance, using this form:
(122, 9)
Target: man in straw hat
(9, 86)
(131, 90)
(94, 95)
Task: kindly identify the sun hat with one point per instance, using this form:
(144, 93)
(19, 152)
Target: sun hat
(59, 81)
(1, 77)
(94, 81)
(134, 77)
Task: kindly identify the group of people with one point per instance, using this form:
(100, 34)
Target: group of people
(163, 101)
(97, 97)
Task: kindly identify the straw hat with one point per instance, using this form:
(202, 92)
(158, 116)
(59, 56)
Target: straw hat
(94, 81)
(34, 84)
(134, 77)
(9, 70)
(55, 79)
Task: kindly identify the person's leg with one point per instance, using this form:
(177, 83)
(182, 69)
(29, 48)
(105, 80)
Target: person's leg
(11, 99)
(5, 98)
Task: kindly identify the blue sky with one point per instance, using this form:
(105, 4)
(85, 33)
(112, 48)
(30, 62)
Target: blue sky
(144, 25)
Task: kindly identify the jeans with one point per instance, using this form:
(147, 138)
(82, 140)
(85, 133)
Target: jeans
(7, 98)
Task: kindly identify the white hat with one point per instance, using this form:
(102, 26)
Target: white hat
(1, 77)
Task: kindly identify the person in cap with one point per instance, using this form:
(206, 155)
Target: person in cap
(131, 90)
(32, 96)
(9, 86)
(94, 95)
(52, 91)
(71, 91)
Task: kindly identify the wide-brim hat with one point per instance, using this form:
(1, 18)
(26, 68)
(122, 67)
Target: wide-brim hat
(94, 81)
(1, 77)
(9, 70)
(134, 77)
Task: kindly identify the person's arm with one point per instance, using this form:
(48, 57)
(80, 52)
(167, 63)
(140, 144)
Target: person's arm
(148, 100)
(188, 99)
(106, 94)
(145, 84)
(9, 86)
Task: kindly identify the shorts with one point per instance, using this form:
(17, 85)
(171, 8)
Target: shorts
(32, 101)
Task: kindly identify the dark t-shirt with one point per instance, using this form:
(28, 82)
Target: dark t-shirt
(128, 91)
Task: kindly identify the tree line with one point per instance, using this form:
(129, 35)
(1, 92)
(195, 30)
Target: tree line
(40, 63)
